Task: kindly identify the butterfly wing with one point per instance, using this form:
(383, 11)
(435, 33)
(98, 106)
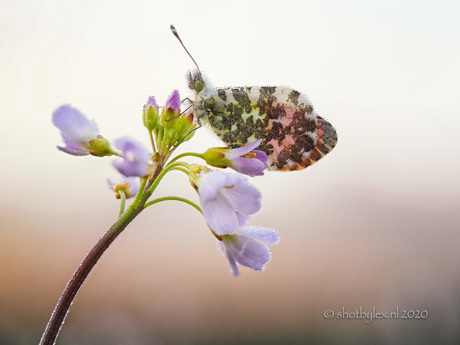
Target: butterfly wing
(293, 135)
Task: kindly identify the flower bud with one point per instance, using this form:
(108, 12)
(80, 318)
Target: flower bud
(244, 159)
(100, 147)
(215, 156)
(150, 114)
(177, 127)
(171, 109)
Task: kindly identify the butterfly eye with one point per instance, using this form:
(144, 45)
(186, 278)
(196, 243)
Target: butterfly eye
(198, 85)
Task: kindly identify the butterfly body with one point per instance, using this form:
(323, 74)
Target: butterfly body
(293, 135)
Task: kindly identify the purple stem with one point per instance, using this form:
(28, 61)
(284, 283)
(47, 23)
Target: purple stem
(73, 286)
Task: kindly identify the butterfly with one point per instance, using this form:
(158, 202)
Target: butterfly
(293, 135)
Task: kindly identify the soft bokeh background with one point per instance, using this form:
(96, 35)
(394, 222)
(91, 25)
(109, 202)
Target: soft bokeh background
(374, 225)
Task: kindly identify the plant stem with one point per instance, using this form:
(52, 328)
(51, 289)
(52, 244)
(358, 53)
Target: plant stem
(122, 203)
(186, 154)
(176, 198)
(73, 286)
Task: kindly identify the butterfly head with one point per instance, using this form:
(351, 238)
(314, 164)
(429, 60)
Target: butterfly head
(196, 81)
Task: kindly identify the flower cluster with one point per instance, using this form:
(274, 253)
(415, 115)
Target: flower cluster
(227, 199)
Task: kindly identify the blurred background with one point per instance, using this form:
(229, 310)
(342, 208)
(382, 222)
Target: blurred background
(374, 225)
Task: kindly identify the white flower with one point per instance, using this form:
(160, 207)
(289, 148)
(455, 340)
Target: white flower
(244, 247)
(224, 198)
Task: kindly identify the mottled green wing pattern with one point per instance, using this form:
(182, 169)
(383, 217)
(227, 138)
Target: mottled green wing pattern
(293, 135)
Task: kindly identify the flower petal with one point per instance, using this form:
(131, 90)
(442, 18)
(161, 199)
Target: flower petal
(262, 156)
(74, 147)
(173, 101)
(242, 150)
(253, 255)
(244, 197)
(243, 219)
(249, 166)
(76, 130)
(230, 258)
(151, 102)
(227, 200)
(135, 158)
(245, 250)
(74, 124)
(211, 184)
(220, 215)
(259, 233)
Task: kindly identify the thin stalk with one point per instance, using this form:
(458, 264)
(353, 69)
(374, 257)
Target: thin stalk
(73, 286)
(122, 203)
(175, 198)
(185, 154)
(154, 183)
(152, 141)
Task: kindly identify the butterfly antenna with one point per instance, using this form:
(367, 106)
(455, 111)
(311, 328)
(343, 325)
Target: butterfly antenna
(174, 31)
